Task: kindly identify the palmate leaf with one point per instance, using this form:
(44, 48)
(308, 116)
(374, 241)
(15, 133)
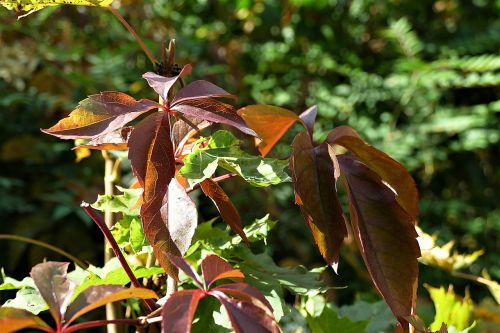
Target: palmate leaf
(222, 150)
(34, 5)
(314, 172)
(99, 115)
(385, 234)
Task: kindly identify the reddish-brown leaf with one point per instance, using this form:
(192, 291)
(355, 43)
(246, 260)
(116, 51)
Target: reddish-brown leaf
(184, 266)
(269, 122)
(385, 234)
(117, 140)
(215, 268)
(245, 292)
(182, 131)
(314, 174)
(13, 320)
(152, 157)
(388, 169)
(51, 280)
(225, 206)
(200, 89)
(246, 317)
(161, 84)
(308, 118)
(178, 312)
(100, 114)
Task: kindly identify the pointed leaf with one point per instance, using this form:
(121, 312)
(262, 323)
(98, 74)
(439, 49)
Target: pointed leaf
(34, 5)
(245, 292)
(116, 140)
(13, 320)
(184, 266)
(200, 89)
(225, 206)
(388, 169)
(100, 114)
(246, 317)
(182, 131)
(178, 312)
(152, 157)
(314, 173)
(269, 122)
(97, 296)
(308, 118)
(222, 150)
(385, 234)
(180, 214)
(161, 84)
(215, 268)
(51, 280)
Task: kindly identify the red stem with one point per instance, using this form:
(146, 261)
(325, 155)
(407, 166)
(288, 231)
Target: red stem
(116, 249)
(95, 323)
(216, 179)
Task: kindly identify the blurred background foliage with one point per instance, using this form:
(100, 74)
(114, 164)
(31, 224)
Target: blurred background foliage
(417, 79)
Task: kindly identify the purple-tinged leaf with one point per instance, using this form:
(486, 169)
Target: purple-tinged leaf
(116, 140)
(308, 118)
(178, 312)
(184, 266)
(200, 89)
(182, 131)
(246, 317)
(388, 169)
(215, 268)
(269, 122)
(226, 118)
(161, 84)
(225, 206)
(386, 236)
(97, 296)
(51, 280)
(13, 320)
(100, 114)
(314, 173)
(245, 292)
(180, 215)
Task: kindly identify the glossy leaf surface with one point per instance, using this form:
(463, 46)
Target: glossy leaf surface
(224, 205)
(162, 84)
(100, 114)
(385, 234)
(314, 173)
(178, 312)
(13, 320)
(387, 168)
(200, 89)
(223, 150)
(308, 118)
(214, 268)
(269, 122)
(116, 140)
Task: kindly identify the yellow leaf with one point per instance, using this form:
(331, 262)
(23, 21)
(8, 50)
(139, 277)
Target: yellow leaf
(31, 6)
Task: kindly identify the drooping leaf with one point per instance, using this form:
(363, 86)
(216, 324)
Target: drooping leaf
(200, 89)
(116, 140)
(161, 84)
(246, 317)
(222, 150)
(388, 169)
(224, 205)
(314, 174)
(152, 158)
(119, 203)
(13, 320)
(450, 309)
(180, 214)
(34, 5)
(97, 296)
(99, 115)
(215, 268)
(184, 266)
(269, 122)
(308, 118)
(245, 292)
(51, 280)
(385, 234)
(178, 312)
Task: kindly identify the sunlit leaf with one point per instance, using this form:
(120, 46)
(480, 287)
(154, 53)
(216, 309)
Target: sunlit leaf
(119, 203)
(97, 296)
(178, 312)
(225, 206)
(222, 150)
(13, 320)
(184, 266)
(116, 140)
(215, 268)
(308, 118)
(100, 114)
(314, 174)
(200, 89)
(269, 122)
(51, 280)
(34, 5)
(247, 293)
(385, 234)
(161, 84)
(28, 299)
(388, 169)
(450, 309)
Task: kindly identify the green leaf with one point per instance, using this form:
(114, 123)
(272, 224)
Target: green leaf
(28, 299)
(128, 232)
(450, 309)
(120, 203)
(137, 237)
(259, 229)
(378, 315)
(34, 5)
(223, 150)
(8, 283)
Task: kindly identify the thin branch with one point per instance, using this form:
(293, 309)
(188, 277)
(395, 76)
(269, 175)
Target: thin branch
(216, 179)
(136, 36)
(47, 246)
(118, 253)
(96, 323)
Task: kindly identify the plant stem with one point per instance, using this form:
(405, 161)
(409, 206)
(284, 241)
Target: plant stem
(216, 179)
(96, 323)
(133, 33)
(116, 249)
(47, 246)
